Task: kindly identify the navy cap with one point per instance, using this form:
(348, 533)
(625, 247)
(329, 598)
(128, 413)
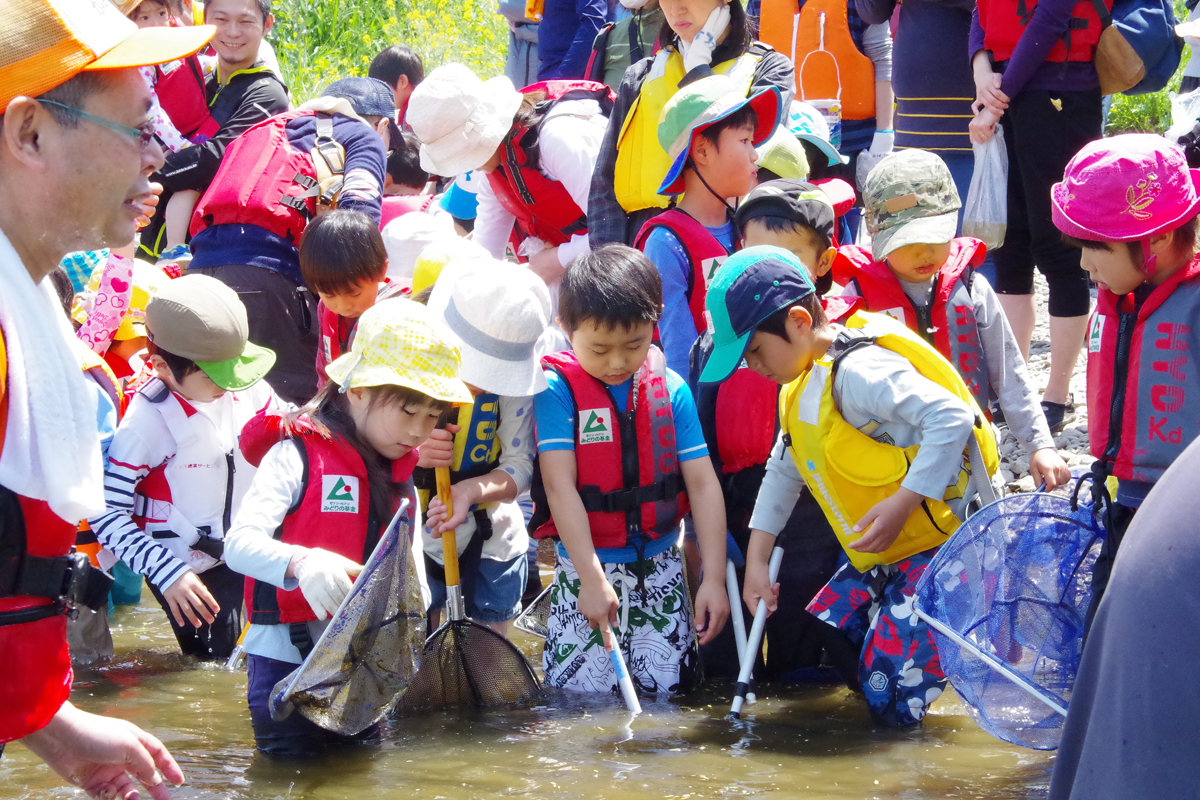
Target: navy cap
(749, 286)
(368, 97)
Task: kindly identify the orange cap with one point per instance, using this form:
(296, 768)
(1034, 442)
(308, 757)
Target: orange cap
(44, 43)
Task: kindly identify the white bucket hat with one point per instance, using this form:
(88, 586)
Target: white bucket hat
(460, 119)
(406, 236)
(498, 311)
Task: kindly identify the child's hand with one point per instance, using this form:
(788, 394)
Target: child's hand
(712, 609)
(983, 126)
(149, 205)
(758, 587)
(188, 597)
(438, 449)
(463, 495)
(884, 521)
(1046, 466)
(598, 602)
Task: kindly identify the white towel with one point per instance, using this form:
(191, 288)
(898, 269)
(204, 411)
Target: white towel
(51, 444)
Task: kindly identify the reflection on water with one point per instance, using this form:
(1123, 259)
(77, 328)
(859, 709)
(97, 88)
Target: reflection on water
(796, 742)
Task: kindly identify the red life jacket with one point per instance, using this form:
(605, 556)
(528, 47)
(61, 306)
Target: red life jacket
(264, 180)
(703, 249)
(335, 337)
(627, 488)
(544, 208)
(397, 205)
(955, 331)
(183, 96)
(1004, 21)
(334, 513)
(1138, 419)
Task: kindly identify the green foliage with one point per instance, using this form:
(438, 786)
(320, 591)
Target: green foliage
(320, 42)
(1147, 113)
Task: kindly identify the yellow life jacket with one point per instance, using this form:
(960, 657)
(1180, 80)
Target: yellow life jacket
(848, 472)
(641, 161)
(476, 448)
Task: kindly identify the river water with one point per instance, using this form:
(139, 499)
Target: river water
(796, 742)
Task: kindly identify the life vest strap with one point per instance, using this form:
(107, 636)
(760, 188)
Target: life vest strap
(620, 500)
(69, 580)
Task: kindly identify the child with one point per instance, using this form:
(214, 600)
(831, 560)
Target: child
(878, 426)
(343, 260)
(698, 37)
(174, 477)
(1130, 203)
(499, 311)
(298, 549)
(404, 182)
(616, 526)
(401, 69)
(782, 156)
(710, 131)
(796, 216)
(919, 273)
(537, 149)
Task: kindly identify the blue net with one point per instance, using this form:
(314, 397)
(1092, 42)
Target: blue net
(1008, 594)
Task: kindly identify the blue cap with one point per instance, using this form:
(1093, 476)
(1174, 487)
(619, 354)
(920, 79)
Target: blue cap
(368, 97)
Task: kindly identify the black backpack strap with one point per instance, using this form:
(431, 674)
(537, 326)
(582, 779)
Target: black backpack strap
(625, 500)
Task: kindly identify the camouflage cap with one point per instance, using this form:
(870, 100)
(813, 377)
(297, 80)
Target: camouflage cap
(910, 198)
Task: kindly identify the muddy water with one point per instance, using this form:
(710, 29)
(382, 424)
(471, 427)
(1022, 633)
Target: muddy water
(796, 742)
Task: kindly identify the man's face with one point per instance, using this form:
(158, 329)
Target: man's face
(240, 30)
(102, 177)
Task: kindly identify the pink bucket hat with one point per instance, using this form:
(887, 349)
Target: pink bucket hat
(1124, 189)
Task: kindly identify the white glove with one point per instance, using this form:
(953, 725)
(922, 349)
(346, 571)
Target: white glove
(881, 147)
(325, 580)
(699, 51)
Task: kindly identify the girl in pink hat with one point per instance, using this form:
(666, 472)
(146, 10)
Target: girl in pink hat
(1131, 203)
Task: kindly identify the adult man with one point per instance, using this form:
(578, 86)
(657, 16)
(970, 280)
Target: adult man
(76, 148)
(248, 236)
(242, 91)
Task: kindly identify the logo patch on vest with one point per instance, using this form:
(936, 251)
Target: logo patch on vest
(596, 426)
(1096, 334)
(710, 267)
(339, 493)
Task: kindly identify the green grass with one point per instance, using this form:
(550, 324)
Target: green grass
(320, 41)
(1147, 113)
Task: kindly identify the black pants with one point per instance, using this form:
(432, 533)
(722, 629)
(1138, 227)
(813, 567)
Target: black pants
(283, 317)
(1040, 139)
(1122, 516)
(216, 641)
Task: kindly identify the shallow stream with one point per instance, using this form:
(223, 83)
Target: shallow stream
(796, 742)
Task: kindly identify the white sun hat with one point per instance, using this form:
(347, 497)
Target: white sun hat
(407, 235)
(460, 119)
(498, 311)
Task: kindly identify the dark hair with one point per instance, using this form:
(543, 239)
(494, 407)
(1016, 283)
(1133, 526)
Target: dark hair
(264, 8)
(765, 175)
(778, 224)
(744, 117)
(63, 288)
(180, 367)
(1183, 240)
(341, 249)
(777, 323)
(818, 162)
(422, 296)
(615, 286)
(73, 93)
(404, 161)
(161, 3)
(330, 410)
(742, 30)
(528, 114)
(395, 61)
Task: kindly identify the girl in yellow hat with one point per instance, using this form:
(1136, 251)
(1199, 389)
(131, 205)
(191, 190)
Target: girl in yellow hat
(324, 493)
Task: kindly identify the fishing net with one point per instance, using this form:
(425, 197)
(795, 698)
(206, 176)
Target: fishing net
(1006, 597)
(536, 616)
(468, 664)
(370, 651)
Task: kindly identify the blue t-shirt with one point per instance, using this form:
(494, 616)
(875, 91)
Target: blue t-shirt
(677, 328)
(554, 417)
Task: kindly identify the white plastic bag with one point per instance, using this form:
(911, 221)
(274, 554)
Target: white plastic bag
(985, 215)
(1185, 110)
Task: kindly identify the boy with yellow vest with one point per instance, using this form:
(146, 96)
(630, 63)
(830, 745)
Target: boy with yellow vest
(887, 437)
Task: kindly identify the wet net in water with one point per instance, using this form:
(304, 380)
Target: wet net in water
(1006, 597)
(370, 652)
(535, 619)
(468, 664)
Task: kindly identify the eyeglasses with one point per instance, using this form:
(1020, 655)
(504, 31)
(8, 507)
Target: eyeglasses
(144, 135)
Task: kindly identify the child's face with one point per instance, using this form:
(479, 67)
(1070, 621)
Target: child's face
(687, 17)
(778, 359)
(802, 244)
(916, 263)
(729, 166)
(611, 355)
(401, 91)
(1113, 268)
(392, 429)
(195, 387)
(352, 303)
(151, 14)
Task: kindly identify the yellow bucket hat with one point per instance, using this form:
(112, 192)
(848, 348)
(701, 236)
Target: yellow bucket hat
(436, 255)
(398, 343)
